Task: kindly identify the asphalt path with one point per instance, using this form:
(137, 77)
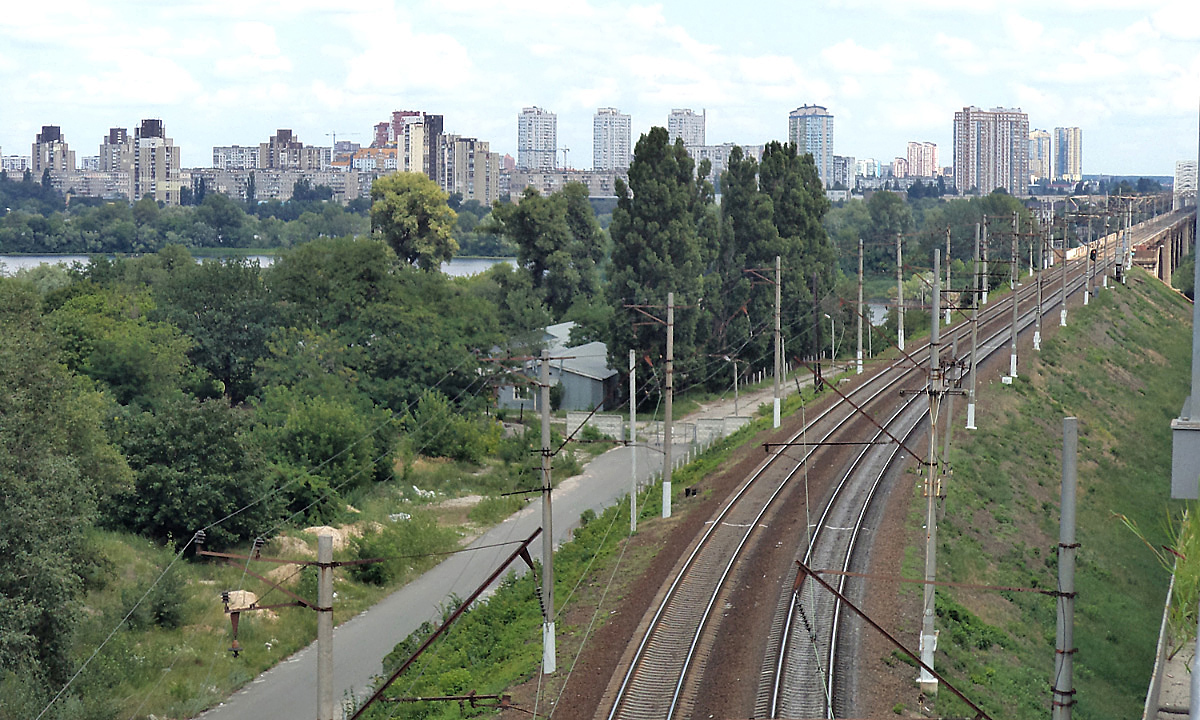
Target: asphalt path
(288, 690)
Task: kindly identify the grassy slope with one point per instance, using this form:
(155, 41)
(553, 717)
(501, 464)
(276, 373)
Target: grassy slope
(1121, 366)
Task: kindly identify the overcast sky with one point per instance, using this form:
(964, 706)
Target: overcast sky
(226, 72)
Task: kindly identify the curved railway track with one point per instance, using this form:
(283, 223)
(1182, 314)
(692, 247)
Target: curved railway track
(664, 670)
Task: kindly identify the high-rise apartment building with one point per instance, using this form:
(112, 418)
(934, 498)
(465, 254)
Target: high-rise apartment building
(284, 151)
(810, 128)
(468, 167)
(1068, 154)
(235, 157)
(610, 140)
(154, 170)
(991, 150)
(683, 123)
(1040, 156)
(50, 152)
(416, 135)
(116, 151)
(844, 168)
(537, 139)
(922, 159)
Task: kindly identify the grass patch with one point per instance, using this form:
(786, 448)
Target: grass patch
(1121, 367)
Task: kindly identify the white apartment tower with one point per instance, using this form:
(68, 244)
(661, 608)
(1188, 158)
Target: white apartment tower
(1068, 154)
(610, 140)
(1040, 157)
(810, 129)
(991, 150)
(537, 139)
(683, 123)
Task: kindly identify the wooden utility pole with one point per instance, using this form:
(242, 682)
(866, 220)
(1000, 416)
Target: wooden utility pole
(549, 662)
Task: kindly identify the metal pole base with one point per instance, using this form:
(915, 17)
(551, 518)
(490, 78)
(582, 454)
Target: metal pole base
(1086, 297)
(666, 499)
(1012, 365)
(947, 317)
(549, 664)
(1037, 339)
(1062, 318)
(929, 683)
(860, 364)
(971, 416)
(776, 412)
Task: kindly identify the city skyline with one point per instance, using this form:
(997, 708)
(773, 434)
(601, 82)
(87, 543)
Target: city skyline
(224, 73)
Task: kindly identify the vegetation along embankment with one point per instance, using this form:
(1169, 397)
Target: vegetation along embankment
(1121, 366)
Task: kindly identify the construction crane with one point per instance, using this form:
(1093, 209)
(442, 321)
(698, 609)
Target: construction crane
(334, 134)
(565, 150)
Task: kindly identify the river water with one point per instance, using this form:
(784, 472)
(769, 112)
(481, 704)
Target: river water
(10, 264)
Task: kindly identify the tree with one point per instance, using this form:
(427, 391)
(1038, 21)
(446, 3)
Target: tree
(799, 203)
(658, 248)
(193, 466)
(410, 212)
(55, 460)
(558, 242)
(223, 306)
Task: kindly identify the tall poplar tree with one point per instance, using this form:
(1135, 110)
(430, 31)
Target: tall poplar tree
(661, 232)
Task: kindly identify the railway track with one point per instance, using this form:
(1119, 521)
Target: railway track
(664, 670)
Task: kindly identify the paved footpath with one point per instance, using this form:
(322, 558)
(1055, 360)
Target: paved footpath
(288, 691)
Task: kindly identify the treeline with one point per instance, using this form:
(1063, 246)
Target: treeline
(160, 396)
(36, 218)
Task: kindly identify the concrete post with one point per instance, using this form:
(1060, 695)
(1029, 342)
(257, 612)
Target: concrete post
(927, 680)
(859, 356)
(324, 627)
(633, 483)
(668, 432)
(1064, 646)
(549, 661)
(899, 292)
(778, 335)
(974, 336)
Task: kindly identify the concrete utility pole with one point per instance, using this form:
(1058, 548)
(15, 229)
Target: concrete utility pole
(928, 682)
(778, 335)
(859, 369)
(1064, 644)
(899, 292)
(1012, 266)
(1012, 353)
(632, 443)
(549, 663)
(668, 431)
(986, 278)
(1037, 324)
(1087, 266)
(1062, 313)
(948, 303)
(324, 627)
(974, 336)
